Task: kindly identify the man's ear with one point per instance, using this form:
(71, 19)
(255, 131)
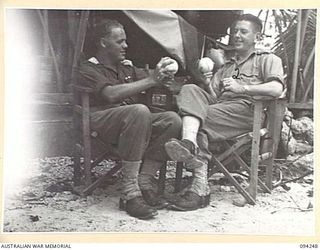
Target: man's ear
(102, 43)
(258, 37)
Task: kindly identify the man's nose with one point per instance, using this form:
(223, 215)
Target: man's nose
(237, 33)
(125, 45)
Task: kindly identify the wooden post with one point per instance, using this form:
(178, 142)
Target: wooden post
(80, 41)
(53, 53)
(296, 61)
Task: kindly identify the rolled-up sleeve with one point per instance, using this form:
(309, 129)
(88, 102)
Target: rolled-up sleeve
(215, 82)
(140, 73)
(272, 69)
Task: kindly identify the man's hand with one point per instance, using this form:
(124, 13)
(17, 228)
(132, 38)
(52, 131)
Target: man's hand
(161, 75)
(230, 84)
(207, 77)
(127, 62)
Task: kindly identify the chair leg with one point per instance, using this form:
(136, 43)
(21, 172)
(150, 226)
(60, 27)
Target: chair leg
(86, 139)
(242, 191)
(276, 117)
(255, 149)
(179, 171)
(162, 178)
(77, 165)
(88, 190)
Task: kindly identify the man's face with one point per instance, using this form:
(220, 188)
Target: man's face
(116, 44)
(244, 36)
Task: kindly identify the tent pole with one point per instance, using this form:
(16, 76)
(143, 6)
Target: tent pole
(203, 46)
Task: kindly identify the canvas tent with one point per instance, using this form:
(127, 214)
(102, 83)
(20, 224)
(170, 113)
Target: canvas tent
(155, 33)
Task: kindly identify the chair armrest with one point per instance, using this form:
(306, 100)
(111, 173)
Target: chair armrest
(267, 98)
(270, 98)
(82, 89)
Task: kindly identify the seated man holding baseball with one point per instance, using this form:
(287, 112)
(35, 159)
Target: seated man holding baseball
(119, 119)
(224, 109)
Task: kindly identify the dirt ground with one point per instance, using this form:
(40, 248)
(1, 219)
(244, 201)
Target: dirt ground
(38, 197)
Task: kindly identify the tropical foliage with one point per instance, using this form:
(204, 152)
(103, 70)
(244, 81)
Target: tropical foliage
(293, 26)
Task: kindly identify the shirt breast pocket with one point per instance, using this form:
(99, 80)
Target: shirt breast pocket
(250, 75)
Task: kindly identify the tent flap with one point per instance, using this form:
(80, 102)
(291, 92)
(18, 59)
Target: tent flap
(163, 26)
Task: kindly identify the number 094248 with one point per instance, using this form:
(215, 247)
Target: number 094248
(307, 246)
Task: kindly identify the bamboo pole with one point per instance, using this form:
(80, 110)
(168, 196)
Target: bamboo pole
(282, 40)
(45, 19)
(304, 23)
(55, 62)
(305, 73)
(309, 61)
(304, 99)
(265, 22)
(296, 61)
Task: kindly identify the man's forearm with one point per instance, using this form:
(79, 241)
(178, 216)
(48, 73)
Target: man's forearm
(116, 93)
(273, 88)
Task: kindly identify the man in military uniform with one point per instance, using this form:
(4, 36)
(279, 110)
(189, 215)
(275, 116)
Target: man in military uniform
(118, 117)
(224, 109)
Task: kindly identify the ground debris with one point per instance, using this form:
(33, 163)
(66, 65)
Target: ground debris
(34, 218)
(99, 212)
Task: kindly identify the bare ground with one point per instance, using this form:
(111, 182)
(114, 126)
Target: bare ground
(39, 198)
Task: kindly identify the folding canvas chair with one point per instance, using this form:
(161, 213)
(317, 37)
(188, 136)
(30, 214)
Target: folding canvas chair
(263, 141)
(93, 150)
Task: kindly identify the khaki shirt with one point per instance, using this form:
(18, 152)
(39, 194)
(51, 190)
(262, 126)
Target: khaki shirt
(97, 76)
(259, 67)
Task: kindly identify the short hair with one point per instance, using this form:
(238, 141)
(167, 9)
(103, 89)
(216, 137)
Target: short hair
(250, 18)
(104, 28)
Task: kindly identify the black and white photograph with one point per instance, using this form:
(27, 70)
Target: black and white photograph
(159, 121)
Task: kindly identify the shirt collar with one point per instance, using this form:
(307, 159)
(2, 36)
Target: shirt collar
(95, 61)
(233, 59)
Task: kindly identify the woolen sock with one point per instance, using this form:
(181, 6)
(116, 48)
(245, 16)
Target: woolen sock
(147, 177)
(190, 128)
(130, 187)
(200, 183)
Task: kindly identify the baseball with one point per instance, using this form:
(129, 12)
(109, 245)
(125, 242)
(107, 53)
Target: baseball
(173, 67)
(205, 65)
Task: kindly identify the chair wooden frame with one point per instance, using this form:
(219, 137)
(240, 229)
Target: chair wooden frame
(274, 110)
(82, 109)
